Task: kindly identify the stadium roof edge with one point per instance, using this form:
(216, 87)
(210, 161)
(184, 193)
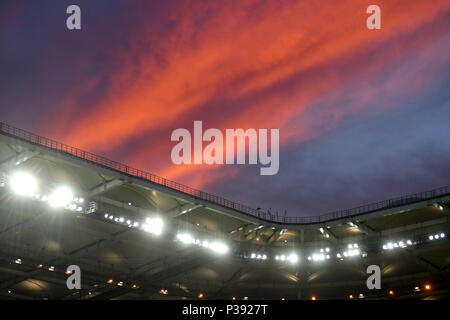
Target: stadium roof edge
(144, 179)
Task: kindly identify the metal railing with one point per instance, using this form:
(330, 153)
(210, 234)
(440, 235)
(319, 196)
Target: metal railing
(9, 130)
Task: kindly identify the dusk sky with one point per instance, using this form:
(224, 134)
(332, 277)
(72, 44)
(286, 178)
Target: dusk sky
(364, 115)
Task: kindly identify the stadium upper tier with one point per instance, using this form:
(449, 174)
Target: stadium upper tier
(240, 210)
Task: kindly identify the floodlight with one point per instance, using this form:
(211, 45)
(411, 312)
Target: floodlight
(153, 225)
(61, 197)
(23, 184)
(185, 238)
(219, 247)
(293, 258)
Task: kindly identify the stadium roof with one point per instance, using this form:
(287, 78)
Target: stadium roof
(139, 236)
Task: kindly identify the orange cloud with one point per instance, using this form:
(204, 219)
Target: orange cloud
(250, 52)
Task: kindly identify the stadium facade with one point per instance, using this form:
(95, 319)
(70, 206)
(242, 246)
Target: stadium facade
(139, 236)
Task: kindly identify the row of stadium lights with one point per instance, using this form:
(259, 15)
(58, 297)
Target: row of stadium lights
(353, 250)
(390, 292)
(25, 185)
(436, 236)
(323, 254)
(221, 248)
(426, 287)
(155, 226)
(407, 243)
(215, 246)
(350, 296)
(67, 272)
(201, 295)
(109, 281)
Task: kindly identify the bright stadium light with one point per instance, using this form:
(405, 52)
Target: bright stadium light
(219, 247)
(153, 225)
(357, 252)
(292, 258)
(23, 184)
(61, 197)
(399, 244)
(318, 257)
(185, 238)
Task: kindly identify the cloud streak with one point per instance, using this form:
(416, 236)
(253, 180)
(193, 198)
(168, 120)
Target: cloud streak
(305, 67)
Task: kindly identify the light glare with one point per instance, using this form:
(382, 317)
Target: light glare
(219, 247)
(61, 197)
(153, 225)
(23, 184)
